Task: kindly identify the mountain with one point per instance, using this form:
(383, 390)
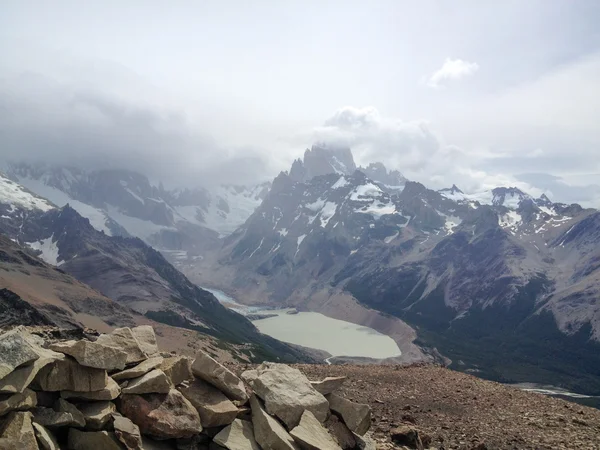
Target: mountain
(125, 203)
(323, 159)
(504, 284)
(129, 272)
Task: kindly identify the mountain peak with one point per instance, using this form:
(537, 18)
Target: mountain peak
(323, 159)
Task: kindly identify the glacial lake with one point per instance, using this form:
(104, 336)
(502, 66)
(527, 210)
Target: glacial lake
(315, 330)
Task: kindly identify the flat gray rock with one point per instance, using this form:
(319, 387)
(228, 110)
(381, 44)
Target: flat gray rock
(17, 402)
(15, 351)
(214, 407)
(287, 393)
(45, 438)
(68, 375)
(268, 432)
(128, 433)
(141, 369)
(211, 371)
(110, 392)
(154, 382)
(124, 340)
(357, 416)
(88, 440)
(311, 435)
(92, 354)
(237, 436)
(177, 368)
(97, 414)
(328, 385)
(18, 427)
(146, 338)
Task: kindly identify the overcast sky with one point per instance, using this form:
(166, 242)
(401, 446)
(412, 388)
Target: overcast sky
(474, 93)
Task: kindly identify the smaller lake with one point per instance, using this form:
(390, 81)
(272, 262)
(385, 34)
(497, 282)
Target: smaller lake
(315, 330)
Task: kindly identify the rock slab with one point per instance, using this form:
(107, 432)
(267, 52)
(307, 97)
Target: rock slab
(154, 382)
(128, 433)
(214, 407)
(177, 368)
(237, 436)
(268, 432)
(211, 371)
(311, 435)
(97, 440)
(92, 354)
(164, 416)
(287, 393)
(18, 427)
(357, 416)
(68, 375)
(124, 340)
(328, 385)
(140, 370)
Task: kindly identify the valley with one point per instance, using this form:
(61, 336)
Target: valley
(379, 268)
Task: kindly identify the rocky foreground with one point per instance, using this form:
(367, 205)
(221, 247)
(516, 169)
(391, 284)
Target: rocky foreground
(117, 391)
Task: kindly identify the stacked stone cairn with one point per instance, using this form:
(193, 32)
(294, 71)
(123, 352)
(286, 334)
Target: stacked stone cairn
(119, 392)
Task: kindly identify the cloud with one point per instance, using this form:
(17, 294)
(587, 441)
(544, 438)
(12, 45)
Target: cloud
(42, 120)
(452, 69)
(420, 153)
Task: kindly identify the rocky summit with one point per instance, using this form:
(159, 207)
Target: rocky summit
(165, 401)
(112, 393)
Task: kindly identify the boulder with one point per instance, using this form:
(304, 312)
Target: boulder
(154, 382)
(328, 385)
(407, 436)
(109, 392)
(97, 440)
(287, 393)
(92, 354)
(164, 416)
(67, 375)
(214, 408)
(249, 376)
(45, 438)
(19, 379)
(211, 371)
(97, 414)
(145, 336)
(311, 435)
(128, 433)
(177, 368)
(62, 405)
(18, 427)
(357, 416)
(140, 370)
(237, 436)
(50, 418)
(123, 339)
(15, 350)
(17, 402)
(340, 432)
(268, 432)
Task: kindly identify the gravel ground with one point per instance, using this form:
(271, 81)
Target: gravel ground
(459, 411)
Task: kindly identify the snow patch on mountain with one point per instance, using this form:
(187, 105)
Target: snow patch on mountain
(98, 218)
(48, 249)
(14, 194)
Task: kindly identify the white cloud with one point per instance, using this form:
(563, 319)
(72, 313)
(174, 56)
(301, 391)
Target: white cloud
(418, 151)
(452, 69)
